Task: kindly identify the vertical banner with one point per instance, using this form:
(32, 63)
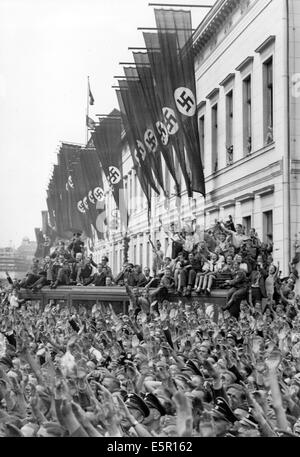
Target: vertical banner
(92, 174)
(176, 44)
(154, 107)
(144, 123)
(131, 137)
(160, 71)
(107, 141)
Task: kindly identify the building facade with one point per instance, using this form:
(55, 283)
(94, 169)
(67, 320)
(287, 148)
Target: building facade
(247, 67)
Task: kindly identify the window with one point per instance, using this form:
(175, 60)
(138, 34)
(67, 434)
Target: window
(166, 244)
(214, 138)
(126, 190)
(134, 254)
(133, 191)
(202, 137)
(141, 254)
(246, 222)
(121, 259)
(148, 254)
(267, 226)
(247, 120)
(229, 128)
(130, 192)
(115, 267)
(268, 100)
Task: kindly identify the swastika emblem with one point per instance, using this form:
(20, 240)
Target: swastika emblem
(70, 182)
(91, 197)
(141, 151)
(150, 140)
(85, 202)
(185, 101)
(99, 194)
(170, 120)
(163, 132)
(114, 175)
(80, 206)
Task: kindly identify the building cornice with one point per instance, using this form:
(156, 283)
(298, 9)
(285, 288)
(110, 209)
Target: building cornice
(201, 105)
(245, 63)
(212, 21)
(213, 93)
(227, 80)
(270, 40)
(245, 197)
(227, 203)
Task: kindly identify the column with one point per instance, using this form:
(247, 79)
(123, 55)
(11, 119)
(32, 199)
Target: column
(257, 216)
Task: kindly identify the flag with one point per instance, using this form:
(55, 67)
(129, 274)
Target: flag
(144, 123)
(107, 141)
(91, 96)
(135, 138)
(90, 123)
(178, 67)
(131, 135)
(164, 91)
(154, 107)
(92, 174)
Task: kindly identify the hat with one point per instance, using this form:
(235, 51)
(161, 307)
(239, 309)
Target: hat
(5, 360)
(193, 367)
(153, 402)
(134, 401)
(223, 410)
(232, 335)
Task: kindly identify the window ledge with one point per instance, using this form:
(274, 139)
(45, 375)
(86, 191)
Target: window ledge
(245, 159)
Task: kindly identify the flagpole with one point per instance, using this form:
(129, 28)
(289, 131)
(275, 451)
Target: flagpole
(87, 109)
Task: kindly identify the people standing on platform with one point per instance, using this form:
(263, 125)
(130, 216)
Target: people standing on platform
(76, 245)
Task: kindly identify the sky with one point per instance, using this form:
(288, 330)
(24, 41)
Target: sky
(47, 50)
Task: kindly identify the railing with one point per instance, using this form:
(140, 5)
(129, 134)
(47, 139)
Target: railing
(117, 296)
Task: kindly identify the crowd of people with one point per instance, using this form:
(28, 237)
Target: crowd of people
(172, 366)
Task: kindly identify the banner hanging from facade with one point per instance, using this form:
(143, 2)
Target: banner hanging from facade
(154, 108)
(144, 123)
(175, 42)
(164, 93)
(92, 175)
(142, 172)
(107, 141)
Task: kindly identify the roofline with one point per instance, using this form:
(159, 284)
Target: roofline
(210, 17)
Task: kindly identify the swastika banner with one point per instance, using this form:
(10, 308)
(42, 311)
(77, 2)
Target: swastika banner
(137, 149)
(107, 141)
(176, 45)
(165, 97)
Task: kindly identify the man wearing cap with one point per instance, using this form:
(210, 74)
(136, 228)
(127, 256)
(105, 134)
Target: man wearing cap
(76, 245)
(156, 411)
(136, 411)
(223, 418)
(106, 267)
(237, 237)
(239, 287)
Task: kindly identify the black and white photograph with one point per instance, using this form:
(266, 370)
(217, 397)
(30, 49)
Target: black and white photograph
(150, 222)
